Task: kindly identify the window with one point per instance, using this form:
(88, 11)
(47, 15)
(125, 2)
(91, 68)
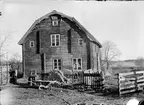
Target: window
(57, 64)
(55, 22)
(77, 64)
(55, 40)
(80, 42)
(54, 17)
(31, 43)
(33, 72)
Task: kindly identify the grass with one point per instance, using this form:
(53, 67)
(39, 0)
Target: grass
(23, 94)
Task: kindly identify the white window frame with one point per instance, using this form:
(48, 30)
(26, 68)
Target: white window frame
(79, 42)
(54, 17)
(55, 40)
(76, 64)
(57, 59)
(55, 22)
(30, 44)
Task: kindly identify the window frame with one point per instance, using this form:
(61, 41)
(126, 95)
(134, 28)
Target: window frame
(55, 22)
(55, 40)
(33, 72)
(79, 41)
(57, 63)
(77, 68)
(30, 44)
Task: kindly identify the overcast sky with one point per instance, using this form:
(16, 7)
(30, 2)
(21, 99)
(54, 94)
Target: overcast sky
(119, 22)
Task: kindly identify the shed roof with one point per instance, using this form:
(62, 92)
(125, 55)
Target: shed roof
(72, 19)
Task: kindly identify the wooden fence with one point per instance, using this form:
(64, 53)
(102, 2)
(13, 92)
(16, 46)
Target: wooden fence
(130, 82)
(4, 75)
(88, 80)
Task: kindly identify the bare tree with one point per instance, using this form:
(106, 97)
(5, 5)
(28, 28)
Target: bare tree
(3, 43)
(140, 62)
(5, 37)
(109, 52)
(16, 63)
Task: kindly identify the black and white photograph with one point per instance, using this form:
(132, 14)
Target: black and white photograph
(71, 52)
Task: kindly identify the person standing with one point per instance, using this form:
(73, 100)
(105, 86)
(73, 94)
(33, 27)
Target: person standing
(15, 76)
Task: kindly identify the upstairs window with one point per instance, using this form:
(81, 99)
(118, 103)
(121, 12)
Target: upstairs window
(80, 41)
(77, 64)
(54, 20)
(55, 23)
(31, 44)
(55, 40)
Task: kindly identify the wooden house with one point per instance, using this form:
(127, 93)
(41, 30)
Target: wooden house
(58, 41)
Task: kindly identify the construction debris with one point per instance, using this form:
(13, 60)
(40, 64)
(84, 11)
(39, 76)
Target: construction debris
(57, 75)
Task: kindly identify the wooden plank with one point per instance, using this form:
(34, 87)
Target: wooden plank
(124, 74)
(127, 79)
(126, 87)
(141, 77)
(139, 72)
(127, 91)
(142, 80)
(140, 88)
(127, 83)
(142, 84)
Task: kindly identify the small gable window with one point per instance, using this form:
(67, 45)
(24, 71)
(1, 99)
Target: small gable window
(31, 44)
(55, 40)
(55, 21)
(80, 41)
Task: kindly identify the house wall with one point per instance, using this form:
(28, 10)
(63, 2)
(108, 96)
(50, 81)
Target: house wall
(33, 60)
(95, 57)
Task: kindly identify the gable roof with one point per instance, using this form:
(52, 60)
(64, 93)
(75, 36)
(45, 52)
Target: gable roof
(90, 37)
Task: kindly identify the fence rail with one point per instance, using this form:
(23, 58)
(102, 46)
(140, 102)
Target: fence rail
(130, 82)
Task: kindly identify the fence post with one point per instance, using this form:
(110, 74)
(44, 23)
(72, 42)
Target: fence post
(136, 87)
(83, 77)
(119, 84)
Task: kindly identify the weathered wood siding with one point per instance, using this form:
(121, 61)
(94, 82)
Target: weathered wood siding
(33, 60)
(95, 57)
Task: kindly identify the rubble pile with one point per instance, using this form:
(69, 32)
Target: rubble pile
(57, 75)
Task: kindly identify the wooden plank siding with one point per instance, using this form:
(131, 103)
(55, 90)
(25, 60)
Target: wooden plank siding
(69, 47)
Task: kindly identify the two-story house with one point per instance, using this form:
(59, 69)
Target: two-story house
(58, 41)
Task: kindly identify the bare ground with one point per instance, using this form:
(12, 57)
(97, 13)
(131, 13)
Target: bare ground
(24, 95)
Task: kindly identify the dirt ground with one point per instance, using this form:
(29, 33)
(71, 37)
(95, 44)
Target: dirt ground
(24, 95)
